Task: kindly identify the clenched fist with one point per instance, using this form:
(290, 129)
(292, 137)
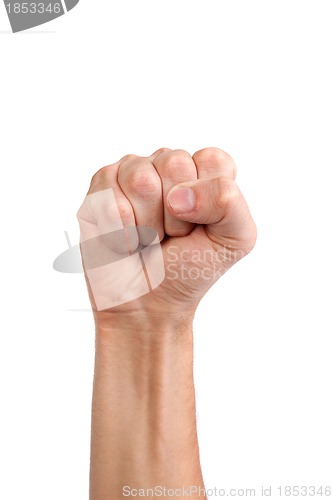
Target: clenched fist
(158, 231)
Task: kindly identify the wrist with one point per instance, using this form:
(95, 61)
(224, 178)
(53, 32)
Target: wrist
(142, 328)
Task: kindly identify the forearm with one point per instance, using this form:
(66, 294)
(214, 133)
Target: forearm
(143, 413)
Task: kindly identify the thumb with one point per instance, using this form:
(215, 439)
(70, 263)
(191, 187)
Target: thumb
(220, 206)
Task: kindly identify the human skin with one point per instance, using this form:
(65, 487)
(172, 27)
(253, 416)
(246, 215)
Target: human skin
(143, 410)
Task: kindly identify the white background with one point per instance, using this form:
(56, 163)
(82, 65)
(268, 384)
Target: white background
(111, 78)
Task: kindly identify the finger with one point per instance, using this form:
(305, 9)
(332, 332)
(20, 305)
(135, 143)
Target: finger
(174, 167)
(109, 210)
(142, 186)
(219, 204)
(159, 152)
(214, 162)
(105, 178)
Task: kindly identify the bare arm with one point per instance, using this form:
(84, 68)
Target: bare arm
(144, 292)
(143, 415)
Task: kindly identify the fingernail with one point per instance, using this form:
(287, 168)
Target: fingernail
(182, 200)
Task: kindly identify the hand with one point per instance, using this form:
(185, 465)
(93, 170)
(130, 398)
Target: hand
(198, 212)
(143, 412)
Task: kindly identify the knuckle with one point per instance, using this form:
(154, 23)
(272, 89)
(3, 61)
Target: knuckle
(216, 156)
(173, 161)
(140, 178)
(161, 151)
(102, 173)
(100, 179)
(129, 158)
(142, 182)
